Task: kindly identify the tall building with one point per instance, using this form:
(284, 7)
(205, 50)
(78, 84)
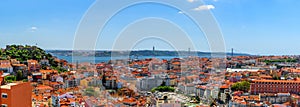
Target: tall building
(16, 95)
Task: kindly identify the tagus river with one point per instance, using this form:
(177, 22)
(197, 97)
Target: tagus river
(106, 59)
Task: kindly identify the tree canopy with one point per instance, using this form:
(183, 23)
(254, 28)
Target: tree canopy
(24, 53)
(241, 86)
(10, 79)
(163, 89)
(280, 60)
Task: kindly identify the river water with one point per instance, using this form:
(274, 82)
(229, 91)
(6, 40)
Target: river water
(106, 59)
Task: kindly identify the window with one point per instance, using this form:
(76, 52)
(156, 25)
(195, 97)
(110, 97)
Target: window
(4, 95)
(3, 105)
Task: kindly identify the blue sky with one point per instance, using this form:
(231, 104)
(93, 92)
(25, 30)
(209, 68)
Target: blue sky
(249, 26)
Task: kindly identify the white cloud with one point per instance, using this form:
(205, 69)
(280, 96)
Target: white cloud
(180, 12)
(191, 1)
(33, 29)
(204, 7)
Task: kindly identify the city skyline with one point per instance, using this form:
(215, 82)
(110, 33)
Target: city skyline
(149, 53)
(250, 26)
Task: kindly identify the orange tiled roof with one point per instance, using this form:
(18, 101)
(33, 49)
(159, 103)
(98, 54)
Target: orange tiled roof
(44, 87)
(224, 87)
(48, 71)
(5, 66)
(19, 65)
(129, 100)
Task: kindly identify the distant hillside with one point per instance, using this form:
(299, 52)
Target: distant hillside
(135, 53)
(24, 53)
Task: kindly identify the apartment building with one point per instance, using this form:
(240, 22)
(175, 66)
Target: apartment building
(16, 94)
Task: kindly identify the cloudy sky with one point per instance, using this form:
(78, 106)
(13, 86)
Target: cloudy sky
(249, 26)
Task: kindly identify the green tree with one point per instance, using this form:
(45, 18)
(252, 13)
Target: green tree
(19, 75)
(10, 79)
(245, 85)
(163, 89)
(1, 54)
(241, 86)
(23, 53)
(25, 80)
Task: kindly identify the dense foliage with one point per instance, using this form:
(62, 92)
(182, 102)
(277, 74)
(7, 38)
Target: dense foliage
(280, 60)
(10, 78)
(163, 89)
(241, 86)
(24, 53)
